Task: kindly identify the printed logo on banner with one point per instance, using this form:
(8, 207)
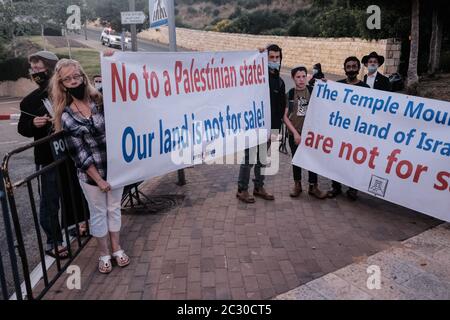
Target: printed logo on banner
(378, 186)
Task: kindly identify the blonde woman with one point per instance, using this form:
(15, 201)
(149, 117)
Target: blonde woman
(79, 112)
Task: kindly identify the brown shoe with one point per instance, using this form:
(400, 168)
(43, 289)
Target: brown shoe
(262, 193)
(297, 189)
(244, 196)
(315, 191)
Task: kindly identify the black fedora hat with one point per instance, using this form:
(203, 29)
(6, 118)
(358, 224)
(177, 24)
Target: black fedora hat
(373, 54)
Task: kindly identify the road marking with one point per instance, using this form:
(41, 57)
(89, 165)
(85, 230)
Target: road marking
(8, 142)
(37, 274)
(9, 102)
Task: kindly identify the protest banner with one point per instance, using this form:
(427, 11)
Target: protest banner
(166, 111)
(390, 145)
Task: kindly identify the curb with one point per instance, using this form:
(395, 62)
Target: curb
(14, 116)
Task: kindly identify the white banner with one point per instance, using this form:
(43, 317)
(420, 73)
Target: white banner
(390, 145)
(166, 111)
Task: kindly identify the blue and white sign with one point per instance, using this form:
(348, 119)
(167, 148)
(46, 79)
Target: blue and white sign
(159, 16)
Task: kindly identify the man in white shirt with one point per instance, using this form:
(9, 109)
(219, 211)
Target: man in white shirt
(373, 78)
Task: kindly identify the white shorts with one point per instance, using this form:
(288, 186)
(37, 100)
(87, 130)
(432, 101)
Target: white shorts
(104, 209)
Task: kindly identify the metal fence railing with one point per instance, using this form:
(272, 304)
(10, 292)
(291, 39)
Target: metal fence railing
(73, 210)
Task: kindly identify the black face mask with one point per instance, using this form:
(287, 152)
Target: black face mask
(351, 74)
(77, 92)
(41, 78)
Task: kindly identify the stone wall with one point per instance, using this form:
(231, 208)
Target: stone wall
(330, 52)
(19, 88)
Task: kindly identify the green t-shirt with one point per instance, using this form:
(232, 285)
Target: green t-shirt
(299, 107)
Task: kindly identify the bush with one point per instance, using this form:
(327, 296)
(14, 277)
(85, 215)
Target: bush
(303, 27)
(258, 22)
(236, 14)
(275, 32)
(13, 69)
(191, 10)
(52, 31)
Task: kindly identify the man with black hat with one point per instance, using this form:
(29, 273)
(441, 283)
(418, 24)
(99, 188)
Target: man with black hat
(316, 74)
(35, 122)
(277, 105)
(373, 78)
(352, 66)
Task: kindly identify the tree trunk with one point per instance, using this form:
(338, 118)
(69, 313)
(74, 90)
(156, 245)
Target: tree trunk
(412, 77)
(436, 40)
(68, 43)
(43, 36)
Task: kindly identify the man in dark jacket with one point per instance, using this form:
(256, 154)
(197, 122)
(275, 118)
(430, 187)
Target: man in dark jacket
(316, 74)
(36, 122)
(277, 105)
(373, 78)
(352, 66)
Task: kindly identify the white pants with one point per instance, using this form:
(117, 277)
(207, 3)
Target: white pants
(104, 209)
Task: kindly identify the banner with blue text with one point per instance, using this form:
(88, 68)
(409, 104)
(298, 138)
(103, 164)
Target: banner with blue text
(390, 145)
(166, 111)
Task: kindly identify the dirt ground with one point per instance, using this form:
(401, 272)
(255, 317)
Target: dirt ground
(24, 47)
(437, 87)
(61, 42)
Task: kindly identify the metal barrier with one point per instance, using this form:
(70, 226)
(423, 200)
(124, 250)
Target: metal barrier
(70, 198)
(70, 208)
(10, 243)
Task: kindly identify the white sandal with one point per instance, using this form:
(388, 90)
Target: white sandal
(121, 258)
(104, 264)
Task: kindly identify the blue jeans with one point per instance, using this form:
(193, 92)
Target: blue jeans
(246, 167)
(49, 208)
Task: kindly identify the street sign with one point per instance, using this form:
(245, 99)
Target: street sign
(132, 17)
(159, 16)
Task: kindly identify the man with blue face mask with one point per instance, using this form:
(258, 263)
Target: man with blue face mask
(277, 105)
(373, 78)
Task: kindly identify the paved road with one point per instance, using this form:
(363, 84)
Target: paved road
(144, 46)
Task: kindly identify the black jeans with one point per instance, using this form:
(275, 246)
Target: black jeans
(297, 171)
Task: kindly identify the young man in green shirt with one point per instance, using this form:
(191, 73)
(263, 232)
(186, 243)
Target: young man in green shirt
(294, 117)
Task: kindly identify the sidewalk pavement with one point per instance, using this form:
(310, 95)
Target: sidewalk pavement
(418, 268)
(214, 247)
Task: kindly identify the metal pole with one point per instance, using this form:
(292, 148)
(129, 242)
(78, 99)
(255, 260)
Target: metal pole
(172, 30)
(85, 29)
(133, 28)
(173, 48)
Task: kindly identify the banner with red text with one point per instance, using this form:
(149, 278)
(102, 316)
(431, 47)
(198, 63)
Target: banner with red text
(393, 146)
(166, 111)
